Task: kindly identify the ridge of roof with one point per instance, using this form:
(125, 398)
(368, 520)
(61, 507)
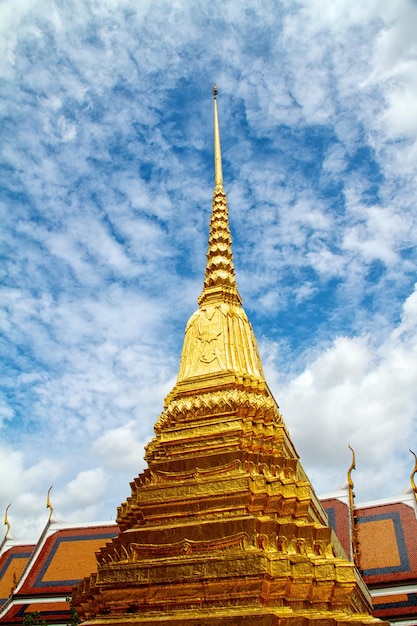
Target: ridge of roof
(404, 497)
(53, 526)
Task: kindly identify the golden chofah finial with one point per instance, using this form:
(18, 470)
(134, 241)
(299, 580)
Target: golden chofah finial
(354, 537)
(352, 467)
(48, 504)
(6, 520)
(413, 473)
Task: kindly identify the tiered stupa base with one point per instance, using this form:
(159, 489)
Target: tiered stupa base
(223, 528)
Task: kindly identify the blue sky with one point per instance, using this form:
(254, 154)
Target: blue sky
(107, 179)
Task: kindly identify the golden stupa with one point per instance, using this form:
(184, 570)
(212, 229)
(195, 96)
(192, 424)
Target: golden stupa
(224, 527)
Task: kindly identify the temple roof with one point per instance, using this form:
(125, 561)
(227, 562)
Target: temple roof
(387, 541)
(39, 578)
(13, 561)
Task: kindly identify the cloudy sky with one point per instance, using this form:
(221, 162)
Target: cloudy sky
(107, 179)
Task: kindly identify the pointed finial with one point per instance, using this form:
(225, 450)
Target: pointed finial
(219, 281)
(6, 520)
(413, 473)
(48, 503)
(218, 169)
(353, 530)
(352, 467)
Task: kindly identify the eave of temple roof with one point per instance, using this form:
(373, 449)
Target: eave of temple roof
(43, 557)
(13, 561)
(404, 497)
(63, 555)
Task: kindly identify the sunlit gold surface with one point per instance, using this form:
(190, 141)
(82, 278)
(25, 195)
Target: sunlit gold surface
(219, 341)
(223, 527)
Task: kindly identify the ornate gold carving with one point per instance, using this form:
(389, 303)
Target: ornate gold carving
(187, 546)
(219, 339)
(209, 331)
(261, 406)
(233, 466)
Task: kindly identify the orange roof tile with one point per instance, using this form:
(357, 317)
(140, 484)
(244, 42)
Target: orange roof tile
(63, 556)
(388, 543)
(12, 564)
(66, 556)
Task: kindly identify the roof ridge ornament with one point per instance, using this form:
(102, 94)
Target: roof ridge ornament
(8, 535)
(6, 520)
(353, 529)
(413, 474)
(49, 504)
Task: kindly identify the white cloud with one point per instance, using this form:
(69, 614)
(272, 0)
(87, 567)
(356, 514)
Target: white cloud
(360, 393)
(86, 488)
(24, 486)
(121, 448)
(105, 206)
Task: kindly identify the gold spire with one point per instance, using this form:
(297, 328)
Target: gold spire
(219, 282)
(218, 170)
(219, 340)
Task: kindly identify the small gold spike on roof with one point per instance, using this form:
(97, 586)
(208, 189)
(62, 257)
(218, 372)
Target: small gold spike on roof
(6, 520)
(352, 467)
(353, 532)
(413, 474)
(48, 503)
